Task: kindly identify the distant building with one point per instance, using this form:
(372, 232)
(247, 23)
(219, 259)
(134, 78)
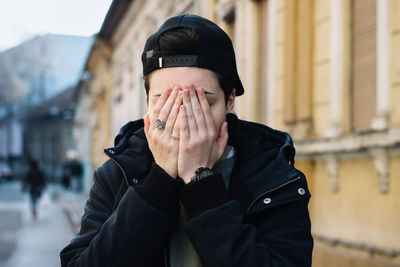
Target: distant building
(31, 73)
(42, 67)
(11, 141)
(48, 133)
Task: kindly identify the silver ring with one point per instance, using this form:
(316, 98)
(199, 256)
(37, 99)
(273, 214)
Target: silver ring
(174, 137)
(160, 125)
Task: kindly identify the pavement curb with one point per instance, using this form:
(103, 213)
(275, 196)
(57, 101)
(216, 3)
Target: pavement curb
(73, 206)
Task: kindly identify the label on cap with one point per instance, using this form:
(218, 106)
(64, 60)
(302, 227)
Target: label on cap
(177, 61)
(149, 53)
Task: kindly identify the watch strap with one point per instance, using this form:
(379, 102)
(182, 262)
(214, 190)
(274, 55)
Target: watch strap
(202, 173)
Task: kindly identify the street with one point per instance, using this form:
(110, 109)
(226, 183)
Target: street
(28, 242)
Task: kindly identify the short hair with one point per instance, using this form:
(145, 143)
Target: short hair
(186, 40)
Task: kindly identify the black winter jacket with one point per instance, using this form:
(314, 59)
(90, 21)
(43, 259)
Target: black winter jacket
(261, 220)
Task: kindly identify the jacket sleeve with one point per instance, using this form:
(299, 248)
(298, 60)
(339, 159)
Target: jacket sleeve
(133, 234)
(276, 232)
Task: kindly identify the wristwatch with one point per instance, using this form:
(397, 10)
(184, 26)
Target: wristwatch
(201, 173)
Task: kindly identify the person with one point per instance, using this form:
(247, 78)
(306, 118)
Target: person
(35, 181)
(72, 172)
(65, 177)
(191, 184)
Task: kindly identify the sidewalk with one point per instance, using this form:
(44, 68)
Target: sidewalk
(39, 242)
(73, 205)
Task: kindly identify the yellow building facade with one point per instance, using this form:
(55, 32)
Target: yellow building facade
(98, 65)
(326, 71)
(92, 119)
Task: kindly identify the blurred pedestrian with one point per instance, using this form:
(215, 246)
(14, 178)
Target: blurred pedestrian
(34, 181)
(65, 176)
(72, 175)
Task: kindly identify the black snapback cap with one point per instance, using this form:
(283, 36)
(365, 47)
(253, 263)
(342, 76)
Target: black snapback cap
(214, 50)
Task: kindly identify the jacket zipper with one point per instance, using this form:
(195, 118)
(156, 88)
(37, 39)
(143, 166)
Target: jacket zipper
(123, 172)
(269, 191)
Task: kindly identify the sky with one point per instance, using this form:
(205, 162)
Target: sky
(20, 20)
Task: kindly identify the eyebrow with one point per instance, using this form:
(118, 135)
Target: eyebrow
(206, 92)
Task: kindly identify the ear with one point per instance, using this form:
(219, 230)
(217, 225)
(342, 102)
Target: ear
(230, 105)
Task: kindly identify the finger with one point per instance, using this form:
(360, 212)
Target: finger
(175, 131)
(166, 109)
(159, 104)
(175, 136)
(197, 112)
(189, 113)
(184, 133)
(222, 138)
(173, 114)
(205, 107)
(146, 121)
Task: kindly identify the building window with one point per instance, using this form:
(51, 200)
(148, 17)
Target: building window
(363, 63)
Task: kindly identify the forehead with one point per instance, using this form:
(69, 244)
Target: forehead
(165, 78)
